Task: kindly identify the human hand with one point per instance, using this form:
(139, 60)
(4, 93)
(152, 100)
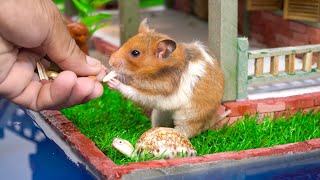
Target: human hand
(30, 30)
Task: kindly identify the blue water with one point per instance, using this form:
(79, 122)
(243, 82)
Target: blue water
(297, 166)
(300, 166)
(26, 153)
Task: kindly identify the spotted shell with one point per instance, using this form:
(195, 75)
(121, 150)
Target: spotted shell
(167, 142)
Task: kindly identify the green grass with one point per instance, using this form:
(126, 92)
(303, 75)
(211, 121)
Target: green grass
(150, 3)
(112, 116)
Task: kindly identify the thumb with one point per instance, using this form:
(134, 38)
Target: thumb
(63, 50)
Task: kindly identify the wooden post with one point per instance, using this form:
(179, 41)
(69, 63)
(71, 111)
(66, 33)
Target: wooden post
(242, 83)
(223, 18)
(129, 19)
(274, 65)
(258, 67)
(69, 8)
(289, 64)
(307, 62)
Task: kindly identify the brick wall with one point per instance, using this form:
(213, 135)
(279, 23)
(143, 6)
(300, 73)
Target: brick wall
(272, 107)
(182, 5)
(272, 30)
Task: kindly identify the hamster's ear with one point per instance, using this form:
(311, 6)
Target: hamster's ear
(143, 27)
(165, 48)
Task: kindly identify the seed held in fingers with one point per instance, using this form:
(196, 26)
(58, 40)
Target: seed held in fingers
(109, 76)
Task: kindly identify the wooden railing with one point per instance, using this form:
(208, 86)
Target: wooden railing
(274, 74)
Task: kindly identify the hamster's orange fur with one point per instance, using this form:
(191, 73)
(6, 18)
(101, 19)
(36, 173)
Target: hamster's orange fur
(181, 82)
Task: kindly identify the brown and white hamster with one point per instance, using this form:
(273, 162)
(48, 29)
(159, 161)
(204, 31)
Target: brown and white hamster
(181, 82)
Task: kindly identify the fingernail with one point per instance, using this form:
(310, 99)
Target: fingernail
(101, 75)
(91, 61)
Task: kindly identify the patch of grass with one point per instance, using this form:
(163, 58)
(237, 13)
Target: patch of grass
(108, 117)
(112, 116)
(248, 134)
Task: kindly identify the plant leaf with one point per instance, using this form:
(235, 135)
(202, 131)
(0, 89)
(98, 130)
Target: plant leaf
(96, 27)
(93, 19)
(84, 6)
(99, 3)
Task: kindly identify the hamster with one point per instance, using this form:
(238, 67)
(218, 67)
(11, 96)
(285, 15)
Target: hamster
(181, 82)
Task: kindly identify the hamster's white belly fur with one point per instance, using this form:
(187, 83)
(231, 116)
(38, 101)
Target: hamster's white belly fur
(181, 97)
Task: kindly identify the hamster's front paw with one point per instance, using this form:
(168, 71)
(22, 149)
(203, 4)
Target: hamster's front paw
(114, 84)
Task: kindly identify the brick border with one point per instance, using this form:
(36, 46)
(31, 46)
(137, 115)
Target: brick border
(107, 169)
(102, 46)
(273, 107)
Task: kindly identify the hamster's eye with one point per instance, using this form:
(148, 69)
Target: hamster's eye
(120, 142)
(135, 53)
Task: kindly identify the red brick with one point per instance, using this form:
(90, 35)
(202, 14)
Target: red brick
(279, 114)
(314, 109)
(269, 37)
(51, 112)
(269, 16)
(293, 42)
(255, 18)
(183, 5)
(284, 30)
(103, 47)
(285, 114)
(300, 37)
(258, 37)
(315, 143)
(314, 35)
(271, 43)
(313, 31)
(109, 49)
(85, 146)
(290, 148)
(270, 31)
(260, 152)
(241, 108)
(223, 156)
(98, 44)
(262, 116)
(186, 160)
(314, 39)
(270, 105)
(316, 98)
(290, 112)
(297, 27)
(281, 38)
(67, 129)
(280, 23)
(301, 101)
(256, 28)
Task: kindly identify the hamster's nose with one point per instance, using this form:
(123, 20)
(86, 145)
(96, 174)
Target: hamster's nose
(114, 62)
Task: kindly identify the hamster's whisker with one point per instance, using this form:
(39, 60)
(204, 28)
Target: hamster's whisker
(123, 77)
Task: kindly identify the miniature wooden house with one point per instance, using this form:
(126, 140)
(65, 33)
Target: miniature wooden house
(306, 10)
(253, 5)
